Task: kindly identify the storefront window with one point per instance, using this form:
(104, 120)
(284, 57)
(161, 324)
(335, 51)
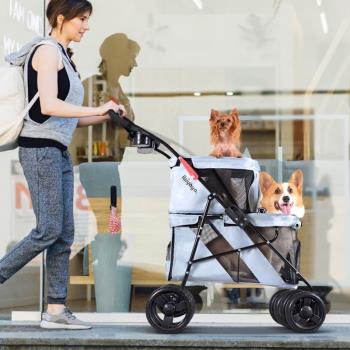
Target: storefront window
(283, 64)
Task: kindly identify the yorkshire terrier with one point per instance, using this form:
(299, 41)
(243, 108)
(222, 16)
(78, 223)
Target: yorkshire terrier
(225, 133)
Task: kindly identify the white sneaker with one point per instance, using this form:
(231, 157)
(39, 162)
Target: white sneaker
(64, 320)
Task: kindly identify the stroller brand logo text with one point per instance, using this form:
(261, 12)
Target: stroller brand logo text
(189, 183)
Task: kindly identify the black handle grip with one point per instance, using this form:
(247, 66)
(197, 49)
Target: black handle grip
(120, 121)
(114, 196)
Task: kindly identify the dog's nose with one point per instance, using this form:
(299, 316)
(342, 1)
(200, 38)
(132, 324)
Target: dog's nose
(285, 199)
(222, 124)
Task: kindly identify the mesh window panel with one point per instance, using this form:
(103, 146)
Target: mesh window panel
(230, 185)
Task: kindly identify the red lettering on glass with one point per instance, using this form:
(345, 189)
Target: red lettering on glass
(81, 199)
(22, 191)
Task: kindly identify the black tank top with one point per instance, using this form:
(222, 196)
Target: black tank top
(62, 84)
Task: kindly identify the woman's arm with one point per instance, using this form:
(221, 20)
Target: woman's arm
(92, 120)
(45, 62)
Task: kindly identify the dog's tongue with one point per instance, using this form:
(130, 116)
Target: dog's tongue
(286, 209)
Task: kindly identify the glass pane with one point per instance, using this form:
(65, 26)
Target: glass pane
(283, 64)
(19, 22)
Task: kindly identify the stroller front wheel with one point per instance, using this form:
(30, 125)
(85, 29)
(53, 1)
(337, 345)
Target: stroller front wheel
(170, 308)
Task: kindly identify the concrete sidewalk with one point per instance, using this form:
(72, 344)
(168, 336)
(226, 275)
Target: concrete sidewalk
(198, 335)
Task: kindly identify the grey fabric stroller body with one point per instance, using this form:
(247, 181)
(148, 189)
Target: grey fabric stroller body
(218, 235)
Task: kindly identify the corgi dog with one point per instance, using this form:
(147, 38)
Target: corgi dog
(282, 198)
(225, 133)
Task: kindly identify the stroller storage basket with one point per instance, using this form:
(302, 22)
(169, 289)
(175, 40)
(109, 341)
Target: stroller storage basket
(258, 264)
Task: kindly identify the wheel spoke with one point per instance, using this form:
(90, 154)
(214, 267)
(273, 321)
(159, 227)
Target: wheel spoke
(162, 300)
(296, 307)
(168, 321)
(315, 318)
(306, 322)
(297, 318)
(307, 301)
(181, 306)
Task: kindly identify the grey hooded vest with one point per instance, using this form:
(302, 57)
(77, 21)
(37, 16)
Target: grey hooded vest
(55, 128)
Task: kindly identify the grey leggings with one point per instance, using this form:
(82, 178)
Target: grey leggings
(49, 174)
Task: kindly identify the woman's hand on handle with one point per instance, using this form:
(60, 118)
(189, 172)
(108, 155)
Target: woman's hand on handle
(111, 105)
(102, 114)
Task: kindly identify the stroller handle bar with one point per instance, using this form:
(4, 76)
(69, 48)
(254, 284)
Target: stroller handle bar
(140, 137)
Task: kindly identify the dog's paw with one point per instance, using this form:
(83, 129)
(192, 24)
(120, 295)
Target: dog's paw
(216, 154)
(236, 153)
(232, 155)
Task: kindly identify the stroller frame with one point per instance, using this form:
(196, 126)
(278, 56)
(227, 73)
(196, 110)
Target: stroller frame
(243, 223)
(179, 301)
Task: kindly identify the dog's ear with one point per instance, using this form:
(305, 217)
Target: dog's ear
(235, 116)
(265, 180)
(234, 112)
(214, 114)
(297, 178)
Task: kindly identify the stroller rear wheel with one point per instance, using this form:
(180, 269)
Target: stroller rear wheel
(283, 306)
(279, 306)
(272, 304)
(170, 308)
(305, 312)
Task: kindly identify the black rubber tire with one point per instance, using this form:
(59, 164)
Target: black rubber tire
(305, 312)
(171, 302)
(272, 303)
(279, 306)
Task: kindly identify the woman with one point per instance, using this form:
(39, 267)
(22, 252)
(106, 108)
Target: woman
(43, 154)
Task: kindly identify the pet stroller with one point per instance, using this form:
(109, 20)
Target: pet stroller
(218, 235)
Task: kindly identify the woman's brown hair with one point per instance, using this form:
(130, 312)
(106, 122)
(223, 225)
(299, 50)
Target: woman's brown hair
(68, 8)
